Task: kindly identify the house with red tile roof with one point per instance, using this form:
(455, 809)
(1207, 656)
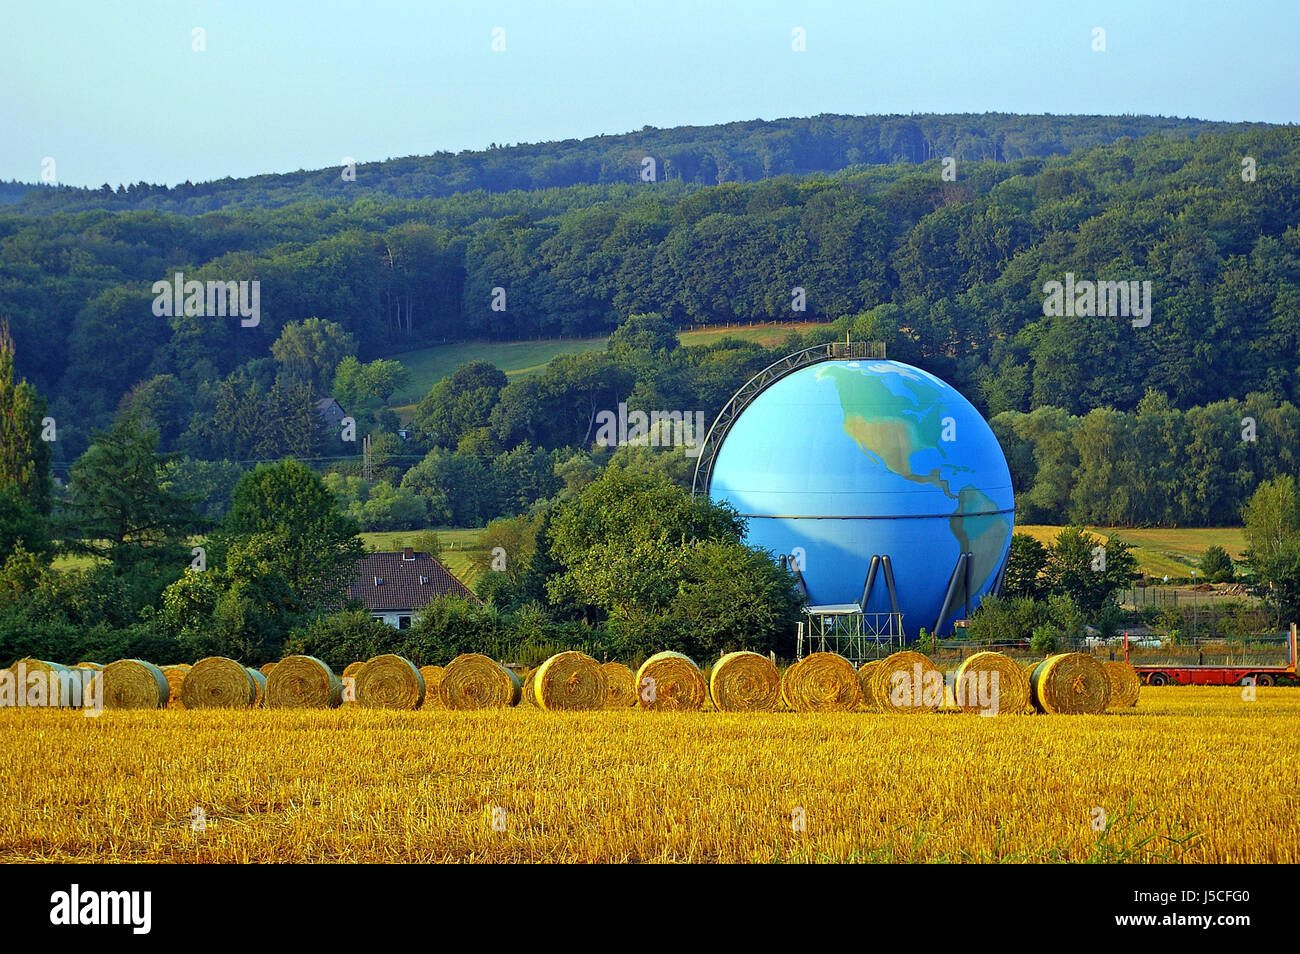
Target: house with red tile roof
(396, 587)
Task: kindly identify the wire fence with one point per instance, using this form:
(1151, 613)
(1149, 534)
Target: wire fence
(1140, 597)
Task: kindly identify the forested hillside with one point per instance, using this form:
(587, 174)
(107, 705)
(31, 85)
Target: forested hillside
(167, 423)
(950, 274)
(698, 155)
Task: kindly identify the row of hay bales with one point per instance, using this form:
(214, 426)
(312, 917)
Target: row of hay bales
(1063, 684)
(59, 685)
(136, 684)
(905, 682)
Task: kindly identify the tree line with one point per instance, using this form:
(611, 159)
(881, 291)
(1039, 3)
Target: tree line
(702, 155)
(481, 446)
(950, 273)
(632, 564)
(180, 435)
(1155, 466)
(613, 553)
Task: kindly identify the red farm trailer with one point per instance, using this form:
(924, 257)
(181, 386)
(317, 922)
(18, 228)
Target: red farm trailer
(1183, 672)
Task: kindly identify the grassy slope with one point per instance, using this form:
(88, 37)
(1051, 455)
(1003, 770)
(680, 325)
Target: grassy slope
(429, 365)
(1162, 550)
(767, 334)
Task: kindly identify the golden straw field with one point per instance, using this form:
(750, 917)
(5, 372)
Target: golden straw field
(1191, 774)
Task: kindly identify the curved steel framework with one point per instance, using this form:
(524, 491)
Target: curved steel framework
(831, 351)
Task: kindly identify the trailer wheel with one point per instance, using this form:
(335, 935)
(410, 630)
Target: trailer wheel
(1157, 679)
(1263, 679)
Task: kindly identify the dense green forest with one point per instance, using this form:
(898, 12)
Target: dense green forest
(951, 274)
(160, 427)
(698, 155)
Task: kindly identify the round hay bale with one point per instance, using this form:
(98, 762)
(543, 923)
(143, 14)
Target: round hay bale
(218, 683)
(823, 682)
(907, 681)
(132, 684)
(865, 672)
(259, 685)
(352, 668)
(55, 685)
(84, 664)
(620, 686)
(994, 677)
(1125, 684)
(389, 682)
(266, 669)
(670, 680)
(1070, 684)
(570, 681)
(432, 676)
(475, 681)
(744, 682)
(175, 676)
(303, 682)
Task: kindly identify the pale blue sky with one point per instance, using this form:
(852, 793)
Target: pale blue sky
(113, 91)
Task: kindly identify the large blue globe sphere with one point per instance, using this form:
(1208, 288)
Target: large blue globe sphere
(844, 460)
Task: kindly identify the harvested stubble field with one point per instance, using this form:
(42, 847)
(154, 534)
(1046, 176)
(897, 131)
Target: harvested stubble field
(1216, 774)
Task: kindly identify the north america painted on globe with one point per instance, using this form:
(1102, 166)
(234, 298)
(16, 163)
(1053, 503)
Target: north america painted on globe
(844, 460)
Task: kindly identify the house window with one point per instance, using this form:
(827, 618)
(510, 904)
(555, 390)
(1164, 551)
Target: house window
(403, 622)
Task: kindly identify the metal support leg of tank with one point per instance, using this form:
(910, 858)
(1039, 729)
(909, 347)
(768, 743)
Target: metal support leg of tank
(889, 583)
(897, 620)
(793, 565)
(970, 572)
(870, 582)
(950, 595)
